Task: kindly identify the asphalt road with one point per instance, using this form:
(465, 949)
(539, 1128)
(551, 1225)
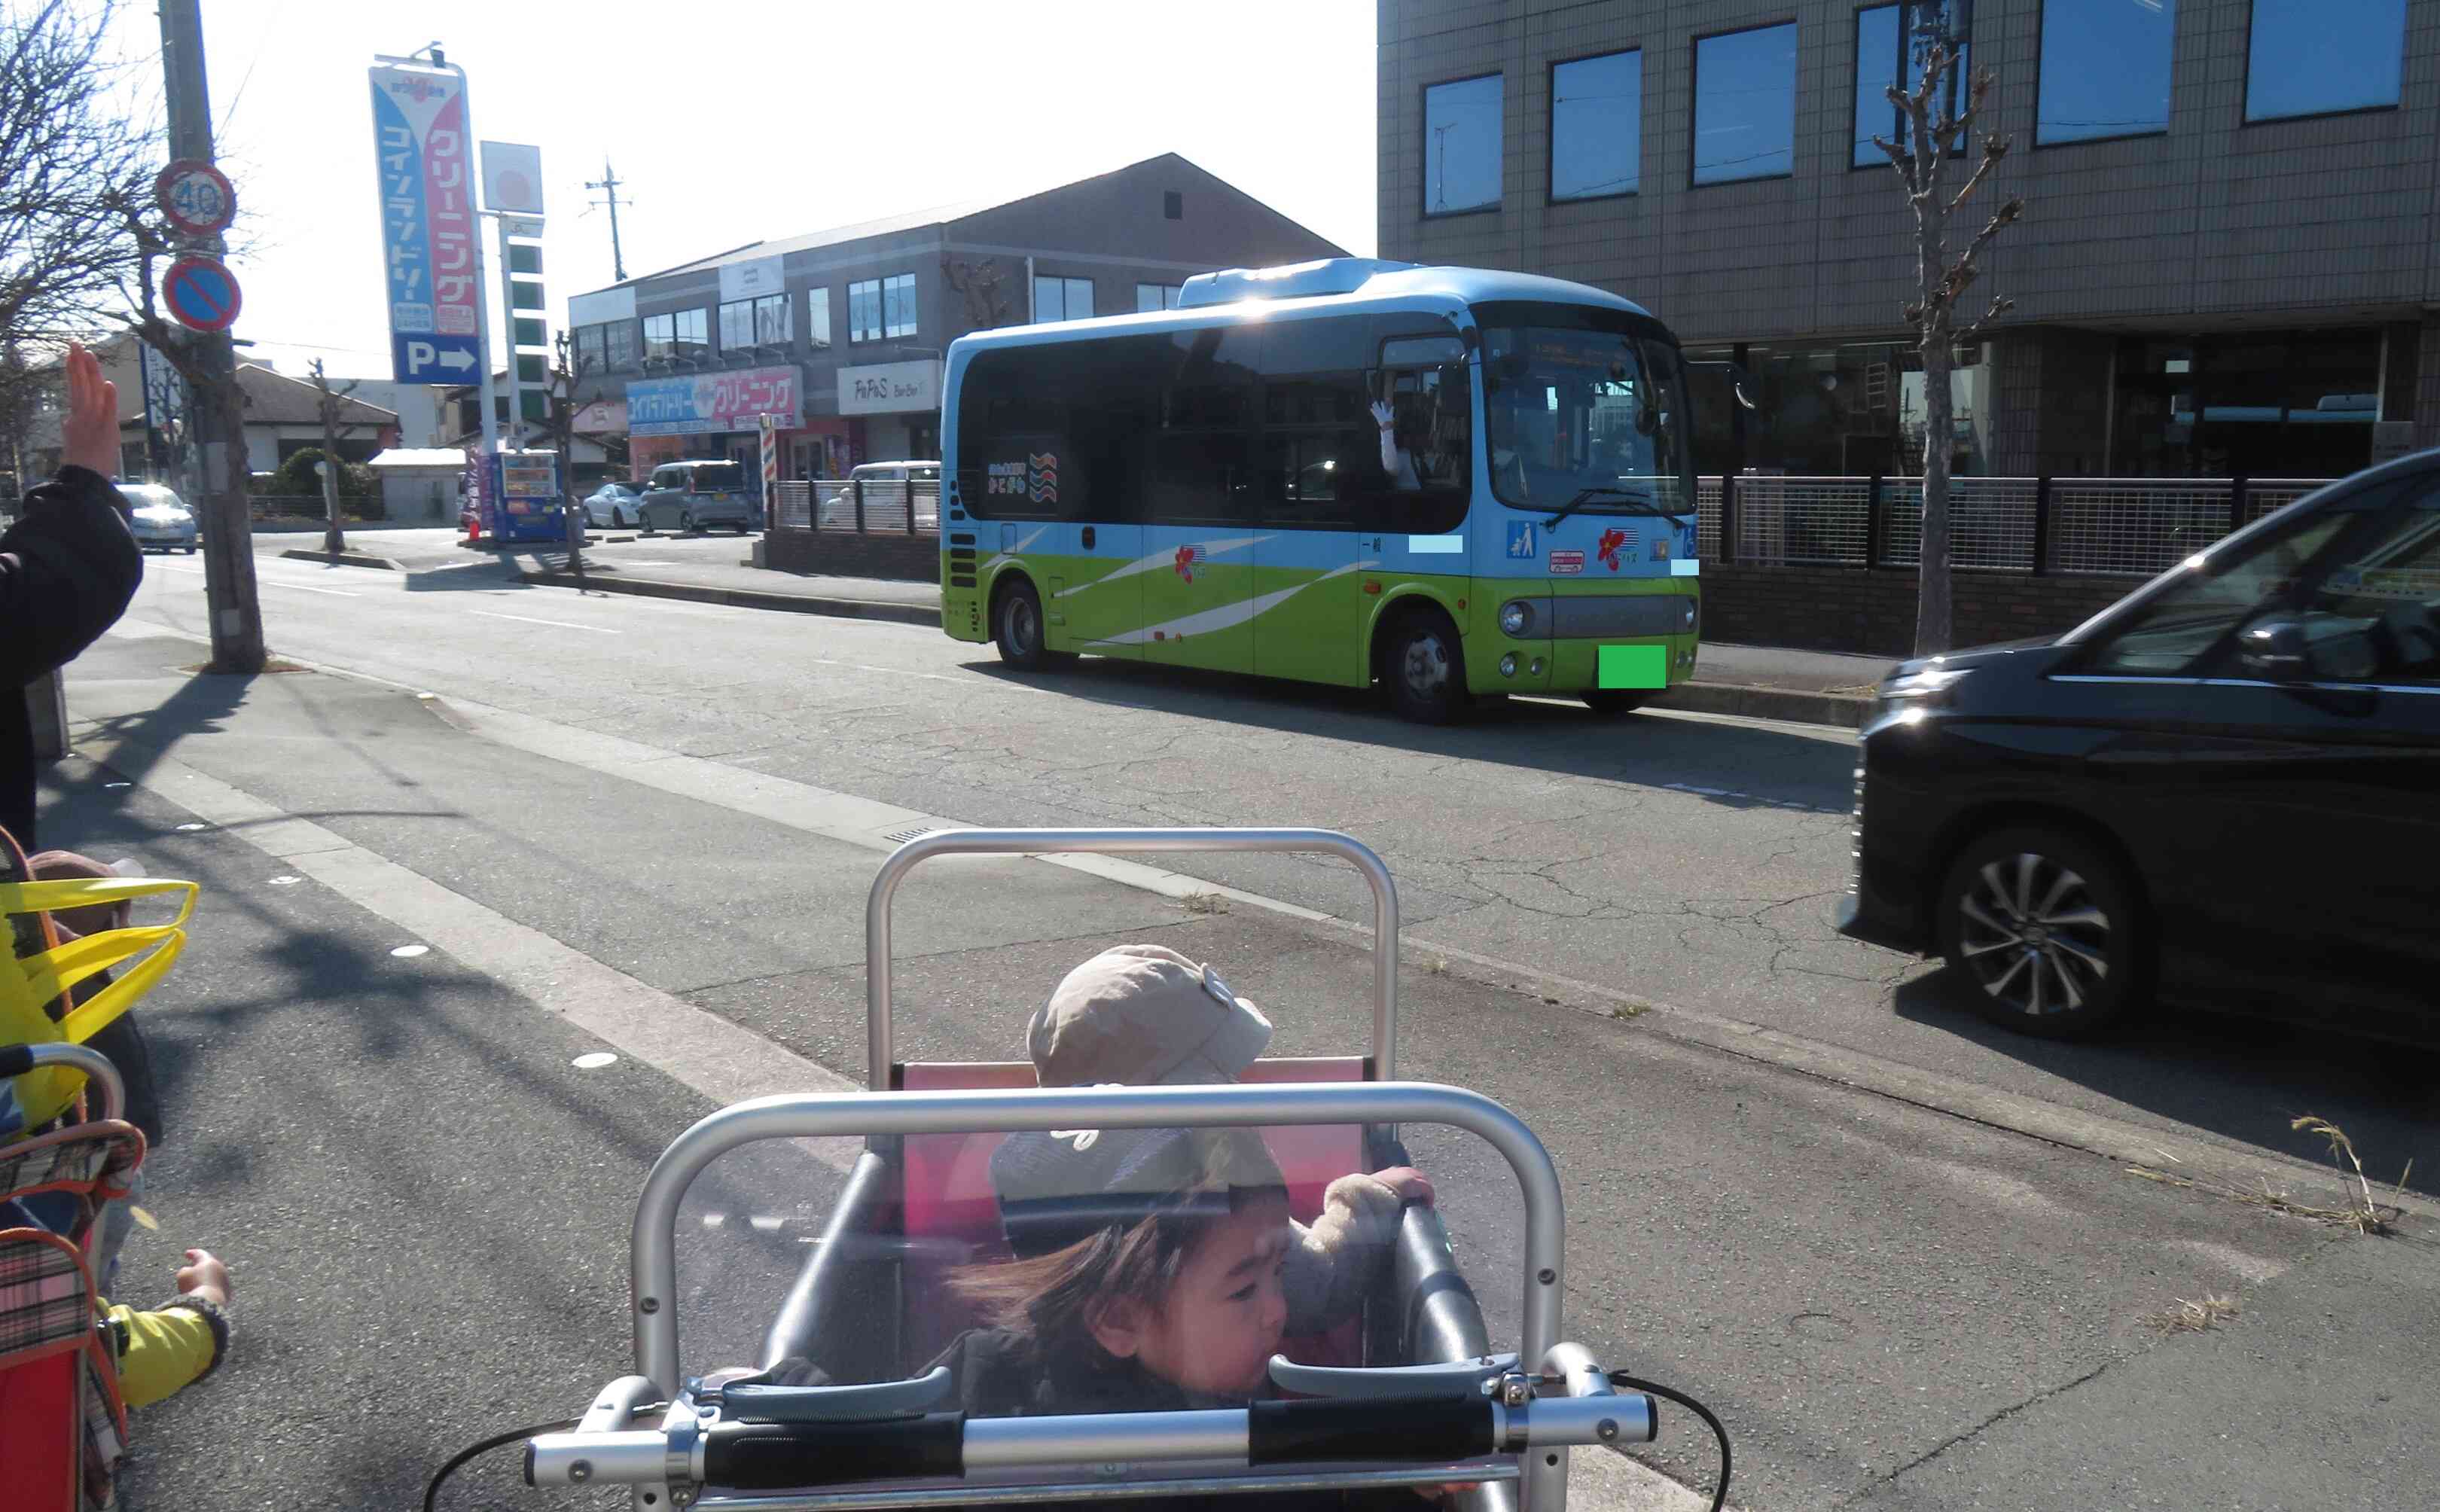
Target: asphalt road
(1892, 1304)
(1687, 859)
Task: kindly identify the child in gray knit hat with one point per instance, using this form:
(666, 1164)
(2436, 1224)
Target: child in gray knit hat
(1142, 1014)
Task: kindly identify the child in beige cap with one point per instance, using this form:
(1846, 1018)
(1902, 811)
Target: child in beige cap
(1142, 1014)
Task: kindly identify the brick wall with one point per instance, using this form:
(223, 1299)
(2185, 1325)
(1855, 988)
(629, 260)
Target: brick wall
(1873, 613)
(843, 553)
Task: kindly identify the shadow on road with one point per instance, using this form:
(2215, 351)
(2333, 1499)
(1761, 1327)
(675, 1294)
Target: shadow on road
(2244, 1078)
(1732, 766)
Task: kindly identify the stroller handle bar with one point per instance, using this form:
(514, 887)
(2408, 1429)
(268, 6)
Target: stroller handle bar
(16, 1060)
(1513, 1414)
(878, 1026)
(654, 1254)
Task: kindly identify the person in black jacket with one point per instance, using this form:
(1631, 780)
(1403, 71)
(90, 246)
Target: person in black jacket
(68, 568)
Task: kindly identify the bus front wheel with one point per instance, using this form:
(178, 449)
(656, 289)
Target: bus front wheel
(1426, 670)
(1017, 626)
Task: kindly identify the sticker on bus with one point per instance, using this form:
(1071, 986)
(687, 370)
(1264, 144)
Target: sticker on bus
(1567, 564)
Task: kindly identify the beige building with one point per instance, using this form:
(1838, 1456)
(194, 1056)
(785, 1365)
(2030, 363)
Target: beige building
(2225, 268)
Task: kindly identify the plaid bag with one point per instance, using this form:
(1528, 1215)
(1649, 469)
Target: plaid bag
(65, 1425)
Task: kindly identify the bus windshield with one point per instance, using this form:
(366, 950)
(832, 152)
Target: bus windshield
(1585, 421)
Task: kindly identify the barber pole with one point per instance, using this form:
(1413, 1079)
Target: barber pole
(770, 467)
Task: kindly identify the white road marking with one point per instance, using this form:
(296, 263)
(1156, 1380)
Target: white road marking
(272, 582)
(556, 624)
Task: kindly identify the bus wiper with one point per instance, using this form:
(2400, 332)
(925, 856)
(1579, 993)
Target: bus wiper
(1587, 496)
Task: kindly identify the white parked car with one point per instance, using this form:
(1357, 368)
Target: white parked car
(614, 504)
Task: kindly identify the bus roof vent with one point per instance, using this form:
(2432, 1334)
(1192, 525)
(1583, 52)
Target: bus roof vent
(1295, 280)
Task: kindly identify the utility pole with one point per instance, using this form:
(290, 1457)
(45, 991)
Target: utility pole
(608, 182)
(216, 420)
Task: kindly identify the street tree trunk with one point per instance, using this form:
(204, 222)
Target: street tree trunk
(1932, 124)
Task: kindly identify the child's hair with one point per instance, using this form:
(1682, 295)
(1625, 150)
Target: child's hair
(1053, 1299)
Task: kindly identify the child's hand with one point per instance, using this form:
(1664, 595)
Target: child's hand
(204, 1276)
(1412, 1186)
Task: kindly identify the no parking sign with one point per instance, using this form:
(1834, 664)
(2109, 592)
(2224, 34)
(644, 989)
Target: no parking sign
(202, 293)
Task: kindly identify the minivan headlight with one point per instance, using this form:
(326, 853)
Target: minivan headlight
(1930, 685)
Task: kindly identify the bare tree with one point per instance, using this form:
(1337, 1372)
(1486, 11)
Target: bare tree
(72, 167)
(1933, 128)
(328, 404)
(569, 368)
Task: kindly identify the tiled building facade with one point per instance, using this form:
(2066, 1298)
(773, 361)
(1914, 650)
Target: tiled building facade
(2225, 266)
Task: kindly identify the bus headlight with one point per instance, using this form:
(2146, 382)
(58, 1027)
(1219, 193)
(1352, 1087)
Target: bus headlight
(1686, 616)
(1508, 665)
(1516, 619)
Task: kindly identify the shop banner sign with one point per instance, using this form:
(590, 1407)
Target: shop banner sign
(706, 404)
(429, 244)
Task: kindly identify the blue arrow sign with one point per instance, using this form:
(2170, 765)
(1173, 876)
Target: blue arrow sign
(433, 359)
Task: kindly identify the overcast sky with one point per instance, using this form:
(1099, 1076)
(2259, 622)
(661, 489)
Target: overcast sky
(742, 121)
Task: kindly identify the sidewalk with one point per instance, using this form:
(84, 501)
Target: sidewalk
(1763, 683)
(430, 1195)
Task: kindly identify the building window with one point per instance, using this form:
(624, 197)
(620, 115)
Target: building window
(1885, 60)
(2104, 69)
(660, 337)
(1596, 126)
(622, 345)
(881, 308)
(1156, 297)
(737, 325)
(817, 319)
(2316, 59)
(592, 347)
(1462, 146)
(1062, 300)
(1745, 105)
(694, 333)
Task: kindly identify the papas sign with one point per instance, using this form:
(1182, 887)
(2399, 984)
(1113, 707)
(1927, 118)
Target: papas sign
(889, 387)
(881, 391)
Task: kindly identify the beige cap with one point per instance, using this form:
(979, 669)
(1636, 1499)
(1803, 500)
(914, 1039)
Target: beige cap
(1140, 1014)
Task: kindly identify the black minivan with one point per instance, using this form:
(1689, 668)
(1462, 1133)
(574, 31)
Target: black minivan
(2223, 789)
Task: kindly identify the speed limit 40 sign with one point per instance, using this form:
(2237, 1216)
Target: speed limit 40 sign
(196, 196)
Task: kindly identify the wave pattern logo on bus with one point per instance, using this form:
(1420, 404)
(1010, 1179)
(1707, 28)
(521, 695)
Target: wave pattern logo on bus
(1035, 479)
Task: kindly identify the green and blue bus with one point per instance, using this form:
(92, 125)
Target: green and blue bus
(1449, 482)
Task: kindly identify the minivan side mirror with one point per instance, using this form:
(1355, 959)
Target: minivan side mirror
(2274, 651)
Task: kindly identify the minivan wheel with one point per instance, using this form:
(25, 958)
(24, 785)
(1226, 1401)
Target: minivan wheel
(2044, 926)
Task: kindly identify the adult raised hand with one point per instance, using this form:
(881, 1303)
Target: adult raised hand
(90, 437)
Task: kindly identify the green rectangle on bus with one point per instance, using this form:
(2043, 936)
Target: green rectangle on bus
(1632, 667)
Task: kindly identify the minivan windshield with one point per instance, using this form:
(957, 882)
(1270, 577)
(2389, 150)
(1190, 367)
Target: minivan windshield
(1585, 421)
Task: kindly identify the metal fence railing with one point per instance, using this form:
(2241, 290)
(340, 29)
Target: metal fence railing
(2115, 527)
(870, 506)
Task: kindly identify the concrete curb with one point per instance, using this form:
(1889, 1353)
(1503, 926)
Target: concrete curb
(744, 598)
(1801, 705)
(358, 559)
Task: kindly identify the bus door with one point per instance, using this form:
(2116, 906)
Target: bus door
(1318, 468)
(1201, 509)
(1414, 530)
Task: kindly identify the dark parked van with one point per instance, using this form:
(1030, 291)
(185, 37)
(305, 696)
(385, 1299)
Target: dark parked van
(2223, 789)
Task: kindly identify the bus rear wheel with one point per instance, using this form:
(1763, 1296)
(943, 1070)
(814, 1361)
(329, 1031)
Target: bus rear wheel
(1613, 700)
(1016, 624)
(1426, 670)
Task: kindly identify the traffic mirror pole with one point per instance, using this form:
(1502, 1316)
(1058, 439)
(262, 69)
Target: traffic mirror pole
(216, 420)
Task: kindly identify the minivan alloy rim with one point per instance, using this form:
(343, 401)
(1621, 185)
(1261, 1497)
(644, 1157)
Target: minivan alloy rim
(2034, 936)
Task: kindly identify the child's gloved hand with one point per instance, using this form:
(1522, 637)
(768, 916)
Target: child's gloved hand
(205, 1277)
(1384, 415)
(1414, 1189)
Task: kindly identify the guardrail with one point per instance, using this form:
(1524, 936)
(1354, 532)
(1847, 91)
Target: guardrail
(2103, 527)
(871, 507)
